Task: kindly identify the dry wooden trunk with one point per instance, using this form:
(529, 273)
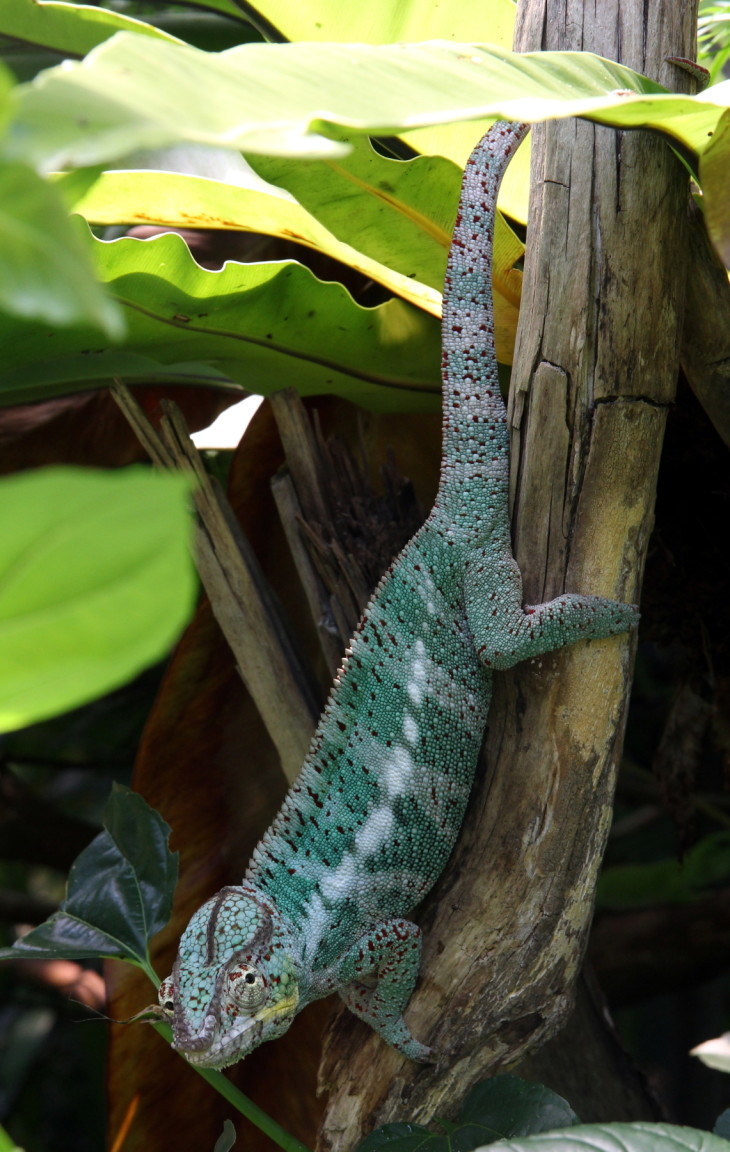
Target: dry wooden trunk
(596, 368)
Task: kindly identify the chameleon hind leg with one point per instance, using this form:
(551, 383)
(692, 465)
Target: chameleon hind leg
(506, 632)
(389, 955)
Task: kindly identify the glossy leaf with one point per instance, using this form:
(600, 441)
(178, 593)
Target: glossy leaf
(119, 892)
(284, 99)
(382, 22)
(398, 213)
(96, 583)
(182, 201)
(503, 1106)
(638, 1137)
(509, 1106)
(258, 326)
(45, 268)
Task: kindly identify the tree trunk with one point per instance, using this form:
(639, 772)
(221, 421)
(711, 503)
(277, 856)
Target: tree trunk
(596, 367)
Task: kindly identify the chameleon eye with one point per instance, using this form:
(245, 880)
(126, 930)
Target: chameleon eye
(166, 994)
(247, 986)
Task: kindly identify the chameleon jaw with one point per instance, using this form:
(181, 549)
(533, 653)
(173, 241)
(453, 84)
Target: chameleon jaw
(207, 1051)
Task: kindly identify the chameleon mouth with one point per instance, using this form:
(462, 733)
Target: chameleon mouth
(204, 1051)
(186, 1043)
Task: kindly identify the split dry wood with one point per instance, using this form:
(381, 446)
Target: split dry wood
(238, 592)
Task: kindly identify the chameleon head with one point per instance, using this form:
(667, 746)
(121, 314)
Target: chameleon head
(234, 983)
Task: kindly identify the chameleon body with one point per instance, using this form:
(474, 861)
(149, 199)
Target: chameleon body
(369, 824)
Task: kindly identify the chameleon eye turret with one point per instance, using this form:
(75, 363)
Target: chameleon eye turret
(166, 995)
(247, 987)
(368, 826)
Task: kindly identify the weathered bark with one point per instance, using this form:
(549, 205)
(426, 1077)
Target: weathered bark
(595, 369)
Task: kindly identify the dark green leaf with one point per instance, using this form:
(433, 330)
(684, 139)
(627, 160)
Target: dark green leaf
(73, 29)
(705, 866)
(119, 890)
(508, 1106)
(501, 1107)
(402, 1138)
(722, 1125)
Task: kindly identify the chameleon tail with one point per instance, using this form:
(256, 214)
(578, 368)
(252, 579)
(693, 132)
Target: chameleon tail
(475, 443)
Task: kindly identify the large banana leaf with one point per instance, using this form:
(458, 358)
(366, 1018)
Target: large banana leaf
(382, 22)
(391, 220)
(289, 99)
(255, 326)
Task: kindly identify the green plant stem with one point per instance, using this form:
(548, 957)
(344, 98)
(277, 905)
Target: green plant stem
(241, 1102)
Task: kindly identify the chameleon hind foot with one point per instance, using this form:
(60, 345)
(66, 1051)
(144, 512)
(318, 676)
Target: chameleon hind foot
(506, 633)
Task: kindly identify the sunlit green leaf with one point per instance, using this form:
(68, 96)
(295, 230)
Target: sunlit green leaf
(45, 266)
(95, 584)
(400, 214)
(714, 170)
(119, 892)
(6, 87)
(279, 99)
(388, 219)
(141, 197)
(73, 29)
(383, 22)
(259, 326)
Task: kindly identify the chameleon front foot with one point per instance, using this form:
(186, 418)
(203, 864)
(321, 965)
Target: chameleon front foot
(390, 955)
(367, 1005)
(400, 1037)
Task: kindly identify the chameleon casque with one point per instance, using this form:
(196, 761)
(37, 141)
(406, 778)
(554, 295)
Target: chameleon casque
(369, 824)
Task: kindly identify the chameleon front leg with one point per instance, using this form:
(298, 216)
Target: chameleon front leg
(391, 953)
(506, 632)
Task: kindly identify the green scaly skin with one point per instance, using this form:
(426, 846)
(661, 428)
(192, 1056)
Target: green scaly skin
(370, 823)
